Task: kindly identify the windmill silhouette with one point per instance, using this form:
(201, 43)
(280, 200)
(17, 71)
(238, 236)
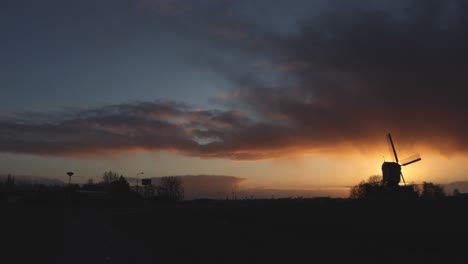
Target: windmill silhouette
(391, 171)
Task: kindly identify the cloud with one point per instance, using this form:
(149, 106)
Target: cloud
(230, 187)
(359, 71)
(146, 126)
(345, 78)
(171, 8)
(208, 186)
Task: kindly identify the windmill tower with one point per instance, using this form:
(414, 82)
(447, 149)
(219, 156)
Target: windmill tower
(391, 171)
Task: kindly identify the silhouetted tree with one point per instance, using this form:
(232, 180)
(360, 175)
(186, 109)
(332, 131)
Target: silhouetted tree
(9, 183)
(149, 190)
(365, 189)
(109, 176)
(456, 192)
(90, 181)
(119, 186)
(171, 187)
(431, 191)
(375, 180)
(358, 191)
(375, 188)
(9, 186)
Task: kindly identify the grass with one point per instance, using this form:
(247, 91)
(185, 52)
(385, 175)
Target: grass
(242, 231)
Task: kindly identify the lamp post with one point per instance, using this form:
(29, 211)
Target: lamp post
(70, 173)
(138, 179)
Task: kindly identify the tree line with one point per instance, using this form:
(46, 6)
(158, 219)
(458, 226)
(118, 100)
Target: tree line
(168, 187)
(111, 184)
(375, 188)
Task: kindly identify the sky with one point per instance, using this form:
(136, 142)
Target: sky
(281, 94)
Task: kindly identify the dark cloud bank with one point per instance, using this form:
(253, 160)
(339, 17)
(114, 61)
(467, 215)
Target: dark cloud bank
(349, 75)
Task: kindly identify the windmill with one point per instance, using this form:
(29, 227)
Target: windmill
(391, 171)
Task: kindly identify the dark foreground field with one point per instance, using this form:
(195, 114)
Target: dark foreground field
(247, 231)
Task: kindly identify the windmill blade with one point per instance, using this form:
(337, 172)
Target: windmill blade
(403, 178)
(412, 159)
(393, 147)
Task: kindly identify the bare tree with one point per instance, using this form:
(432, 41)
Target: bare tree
(119, 186)
(432, 191)
(375, 180)
(10, 182)
(366, 188)
(375, 188)
(109, 176)
(171, 187)
(9, 186)
(90, 181)
(358, 191)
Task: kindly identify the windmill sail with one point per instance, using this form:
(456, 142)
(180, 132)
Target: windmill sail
(403, 178)
(393, 147)
(411, 159)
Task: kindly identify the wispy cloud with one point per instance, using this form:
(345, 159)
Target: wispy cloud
(151, 126)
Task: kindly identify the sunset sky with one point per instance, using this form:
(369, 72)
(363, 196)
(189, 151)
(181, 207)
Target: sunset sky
(296, 94)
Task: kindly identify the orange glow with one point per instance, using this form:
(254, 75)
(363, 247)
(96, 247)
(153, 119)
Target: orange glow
(328, 173)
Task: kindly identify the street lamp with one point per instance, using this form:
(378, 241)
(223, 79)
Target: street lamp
(70, 173)
(138, 178)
